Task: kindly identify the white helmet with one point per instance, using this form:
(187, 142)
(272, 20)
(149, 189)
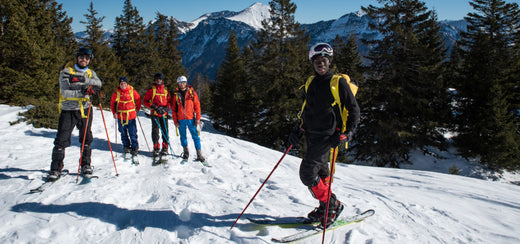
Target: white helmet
(182, 79)
(321, 48)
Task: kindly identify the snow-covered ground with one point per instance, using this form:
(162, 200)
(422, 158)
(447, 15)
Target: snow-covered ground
(191, 203)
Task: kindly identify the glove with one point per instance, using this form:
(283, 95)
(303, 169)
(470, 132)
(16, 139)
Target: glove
(91, 90)
(155, 107)
(339, 138)
(295, 136)
(77, 78)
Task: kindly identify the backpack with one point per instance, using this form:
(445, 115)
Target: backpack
(334, 89)
(118, 99)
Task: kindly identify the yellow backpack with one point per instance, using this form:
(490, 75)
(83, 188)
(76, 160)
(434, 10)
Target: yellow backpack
(334, 89)
(79, 99)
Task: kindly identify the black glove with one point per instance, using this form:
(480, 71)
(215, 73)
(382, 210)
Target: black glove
(339, 138)
(77, 78)
(295, 136)
(154, 107)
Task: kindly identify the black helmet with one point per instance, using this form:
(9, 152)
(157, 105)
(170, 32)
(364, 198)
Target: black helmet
(84, 51)
(123, 79)
(158, 76)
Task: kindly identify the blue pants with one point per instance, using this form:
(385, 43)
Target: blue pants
(193, 131)
(128, 133)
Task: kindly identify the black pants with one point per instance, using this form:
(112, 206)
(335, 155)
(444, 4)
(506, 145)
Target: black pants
(315, 164)
(67, 121)
(163, 122)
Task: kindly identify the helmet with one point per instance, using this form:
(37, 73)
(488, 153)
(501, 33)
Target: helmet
(182, 79)
(85, 51)
(323, 49)
(123, 79)
(158, 76)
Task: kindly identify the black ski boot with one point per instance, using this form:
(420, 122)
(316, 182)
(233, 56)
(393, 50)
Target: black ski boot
(86, 170)
(317, 214)
(335, 209)
(164, 151)
(53, 175)
(126, 152)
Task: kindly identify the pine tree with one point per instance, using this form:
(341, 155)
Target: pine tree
(170, 60)
(280, 67)
(129, 43)
(347, 60)
(105, 63)
(405, 91)
(230, 92)
(485, 99)
(35, 40)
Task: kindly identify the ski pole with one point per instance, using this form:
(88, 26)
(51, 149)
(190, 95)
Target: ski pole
(250, 201)
(142, 131)
(83, 142)
(164, 134)
(329, 193)
(106, 131)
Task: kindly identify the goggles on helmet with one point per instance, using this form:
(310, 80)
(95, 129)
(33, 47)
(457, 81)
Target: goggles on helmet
(320, 49)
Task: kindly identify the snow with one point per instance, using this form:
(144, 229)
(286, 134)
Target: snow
(254, 15)
(191, 203)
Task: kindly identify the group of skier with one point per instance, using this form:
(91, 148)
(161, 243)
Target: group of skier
(79, 83)
(323, 120)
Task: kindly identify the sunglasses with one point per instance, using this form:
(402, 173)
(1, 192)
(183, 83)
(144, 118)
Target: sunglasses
(86, 57)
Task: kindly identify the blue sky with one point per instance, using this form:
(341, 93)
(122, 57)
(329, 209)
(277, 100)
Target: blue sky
(188, 10)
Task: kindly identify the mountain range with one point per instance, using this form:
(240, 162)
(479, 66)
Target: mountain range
(204, 40)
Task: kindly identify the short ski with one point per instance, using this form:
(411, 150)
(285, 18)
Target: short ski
(47, 183)
(318, 230)
(86, 178)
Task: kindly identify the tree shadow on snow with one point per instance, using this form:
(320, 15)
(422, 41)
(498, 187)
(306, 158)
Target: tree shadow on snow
(7, 170)
(124, 218)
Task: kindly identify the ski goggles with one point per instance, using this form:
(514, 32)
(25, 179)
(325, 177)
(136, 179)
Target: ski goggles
(320, 49)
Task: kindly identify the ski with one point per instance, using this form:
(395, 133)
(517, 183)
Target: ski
(87, 178)
(160, 160)
(318, 230)
(283, 222)
(47, 183)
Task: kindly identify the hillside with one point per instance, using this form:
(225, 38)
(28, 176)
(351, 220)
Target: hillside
(191, 203)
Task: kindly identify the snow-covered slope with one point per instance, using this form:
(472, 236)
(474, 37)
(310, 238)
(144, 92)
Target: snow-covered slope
(191, 203)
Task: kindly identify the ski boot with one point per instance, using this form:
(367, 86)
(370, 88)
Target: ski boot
(335, 209)
(185, 153)
(135, 159)
(156, 156)
(86, 170)
(199, 156)
(126, 153)
(317, 214)
(54, 175)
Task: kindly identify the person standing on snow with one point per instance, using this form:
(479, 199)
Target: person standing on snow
(125, 104)
(158, 99)
(186, 114)
(321, 124)
(76, 85)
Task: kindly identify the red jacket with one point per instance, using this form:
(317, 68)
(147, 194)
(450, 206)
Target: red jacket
(126, 108)
(161, 98)
(190, 109)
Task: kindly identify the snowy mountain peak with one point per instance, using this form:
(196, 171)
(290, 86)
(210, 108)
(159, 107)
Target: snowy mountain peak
(253, 16)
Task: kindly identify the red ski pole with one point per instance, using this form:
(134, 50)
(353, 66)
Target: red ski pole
(250, 201)
(332, 165)
(106, 131)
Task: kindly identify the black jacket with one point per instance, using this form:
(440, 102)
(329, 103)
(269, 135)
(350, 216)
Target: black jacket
(319, 117)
